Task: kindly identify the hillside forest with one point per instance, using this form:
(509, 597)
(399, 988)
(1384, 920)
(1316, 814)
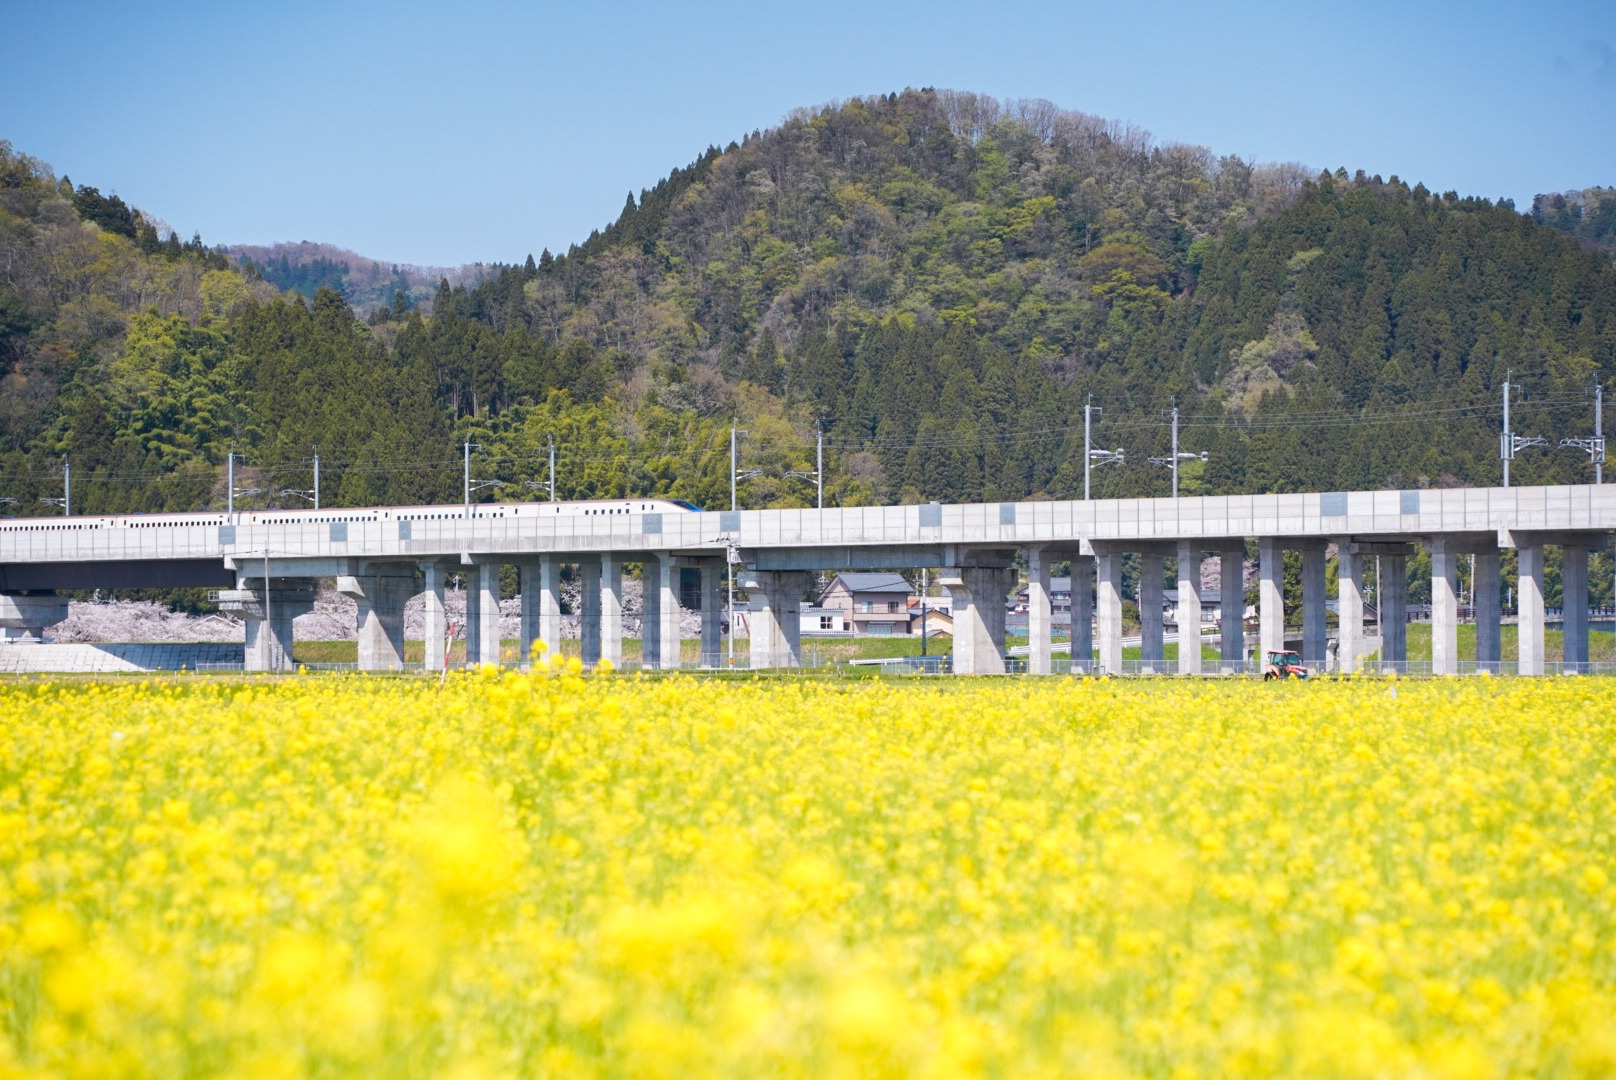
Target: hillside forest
(938, 281)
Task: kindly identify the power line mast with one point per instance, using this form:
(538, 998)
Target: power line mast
(735, 474)
(469, 445)
(1508, 441)
(819, 464)
(1176, 455)
(1088, 454)
(1594, 447)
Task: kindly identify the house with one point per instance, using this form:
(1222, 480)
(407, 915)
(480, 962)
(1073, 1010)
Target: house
(933, 621)
(1060, 597)
(876, 604)
(822, 621)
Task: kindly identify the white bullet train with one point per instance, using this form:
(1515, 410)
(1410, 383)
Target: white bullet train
(589, 508)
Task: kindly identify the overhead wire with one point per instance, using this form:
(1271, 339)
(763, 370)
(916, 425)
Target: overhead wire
(1413, 413)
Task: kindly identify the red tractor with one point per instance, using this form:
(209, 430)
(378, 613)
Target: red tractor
(1283, 665)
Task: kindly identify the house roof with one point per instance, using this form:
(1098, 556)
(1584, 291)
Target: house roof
(892, 583)
(1056, 584)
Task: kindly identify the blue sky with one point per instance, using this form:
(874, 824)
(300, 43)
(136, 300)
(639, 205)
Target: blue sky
(448, 133)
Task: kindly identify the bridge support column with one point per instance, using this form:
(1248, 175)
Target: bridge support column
(589, 609)
(24, 617)
(1445, 606)
(482, 614)
(1040, 612)
(435, 628)
(540, 584)
(1529, 558)
(1349, 606)
(1108, 597)
(978, 594)
(1270, 600)
(1082, 613)
(659, 605)
(1392, 600)
(650, 614)
(611, 610)
(668, 596)
(1232, 608)
(381, 597)
(1574, 603)
(774, 613)
(1485, 574)
(712, 613)
(1150, 614)
(269, 633)
(1315, 637)
(1189, 607)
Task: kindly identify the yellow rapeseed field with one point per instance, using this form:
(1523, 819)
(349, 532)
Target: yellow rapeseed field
(550, 875)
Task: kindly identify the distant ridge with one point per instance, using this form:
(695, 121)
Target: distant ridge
(367, 284)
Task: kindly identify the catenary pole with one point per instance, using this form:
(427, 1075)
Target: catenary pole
(468, 481)
(819, 467)
(552, 470)
(1175, 451)
(734, 434)
(67, 488)
(1599, 431)
(1088, 408)
(230, 483)
(1506, 444)
(317, 478)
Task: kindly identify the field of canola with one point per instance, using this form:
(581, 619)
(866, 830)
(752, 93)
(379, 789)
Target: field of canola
(555, 876)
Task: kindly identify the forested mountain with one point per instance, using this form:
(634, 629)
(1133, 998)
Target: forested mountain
(366, 284)
(1589, 215)
(940, 281)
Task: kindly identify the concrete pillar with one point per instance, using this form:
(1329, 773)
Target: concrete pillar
(978, 594)
(1445, 607)
(650, 614)
(1189, 607)
(611, 609)
(482, 614)
(1574, 603)
(1270, 599)
(589, 609)
(774, 612)
(1232, 601)
(1315, 636)
(269, 625)
(1039, 613)
(668, 619)
(1083, 613)
(24, 617)
(1529, 558)
(1489, 610)
(1150, 613)
(1108, 597)
(540, 587)
(436, 627)
(1393, 603)
(381, 598)
(1349, 606)
(712, 613)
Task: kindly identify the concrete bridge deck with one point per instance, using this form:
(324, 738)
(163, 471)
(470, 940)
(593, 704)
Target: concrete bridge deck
(265, 564)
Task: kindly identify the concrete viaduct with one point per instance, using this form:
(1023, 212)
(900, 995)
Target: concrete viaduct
(267, 569)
